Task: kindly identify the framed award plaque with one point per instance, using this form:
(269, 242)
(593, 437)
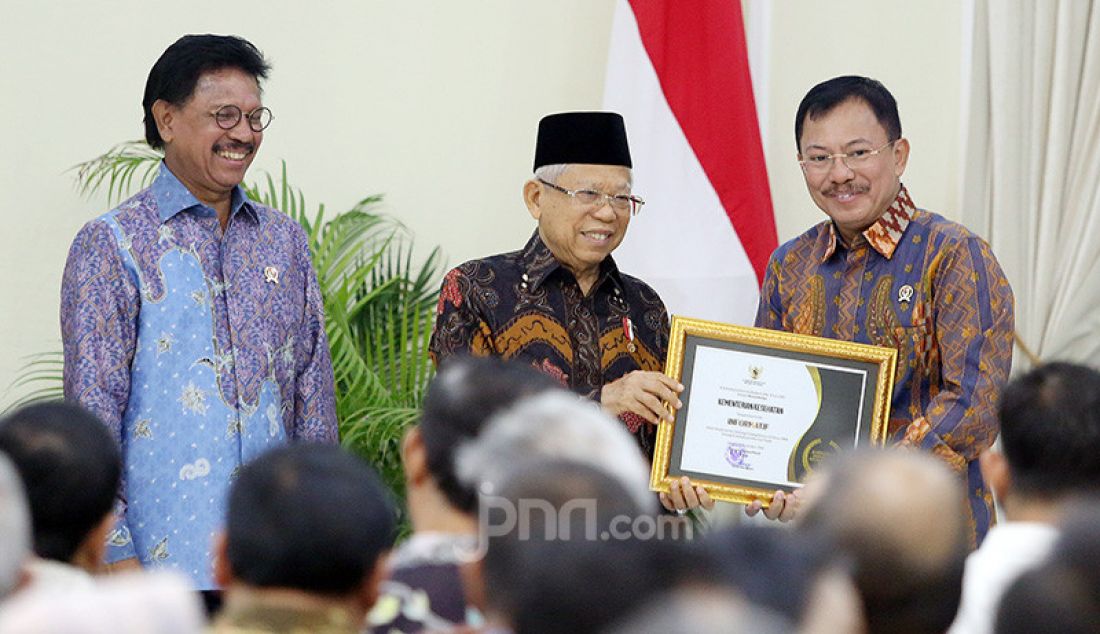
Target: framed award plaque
(763, 408)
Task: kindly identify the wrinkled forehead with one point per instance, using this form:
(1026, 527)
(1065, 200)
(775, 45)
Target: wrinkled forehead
(604, 177)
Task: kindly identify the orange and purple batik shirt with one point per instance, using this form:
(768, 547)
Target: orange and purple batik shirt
(930, 288)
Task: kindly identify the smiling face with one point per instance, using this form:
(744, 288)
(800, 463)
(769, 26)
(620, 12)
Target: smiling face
(580, 237)
(854, 199)
(208, 160)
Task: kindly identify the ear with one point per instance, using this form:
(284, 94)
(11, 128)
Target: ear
(92, 552)
(532, 197)
(996, 473)
(368, 592)
(901, 156)
(414, 457)
(164, 114)
(223, 572)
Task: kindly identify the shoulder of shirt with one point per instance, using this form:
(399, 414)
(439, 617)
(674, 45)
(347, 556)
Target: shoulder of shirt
(497, 262)
(141, 205)
(633, 284)
(806, 239)
(941, 230)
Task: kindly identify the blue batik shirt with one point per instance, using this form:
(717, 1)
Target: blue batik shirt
(200, 349)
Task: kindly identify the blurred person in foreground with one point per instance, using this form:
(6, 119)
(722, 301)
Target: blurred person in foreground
(134, 602)
(561, 303)
(560, 554)
(894, 516)
(191, 317)
(15, 529)
(424, 584)
(305, 540)
(1061, 595)
(70, 468)
(882, 271)
(1049, 459)
(558, 426)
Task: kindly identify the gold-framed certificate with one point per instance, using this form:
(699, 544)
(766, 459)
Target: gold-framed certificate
(762, 408)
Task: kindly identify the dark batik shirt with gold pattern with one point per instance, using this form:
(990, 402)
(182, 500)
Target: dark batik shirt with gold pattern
(930, 288)
(525, 305)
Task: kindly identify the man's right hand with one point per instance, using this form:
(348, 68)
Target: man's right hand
(124, 565)
(642, 393)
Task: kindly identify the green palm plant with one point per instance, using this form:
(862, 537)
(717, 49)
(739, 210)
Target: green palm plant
(379, 305)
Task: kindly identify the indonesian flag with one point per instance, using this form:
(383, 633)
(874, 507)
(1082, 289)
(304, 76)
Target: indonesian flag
(678, 72)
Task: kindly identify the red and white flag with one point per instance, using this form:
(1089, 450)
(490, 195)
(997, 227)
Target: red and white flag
(679, 74)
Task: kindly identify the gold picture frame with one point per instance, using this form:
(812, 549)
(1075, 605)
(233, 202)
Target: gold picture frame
(764, 382)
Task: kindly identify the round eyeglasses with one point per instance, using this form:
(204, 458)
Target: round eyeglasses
(591, 198)
(227, 117)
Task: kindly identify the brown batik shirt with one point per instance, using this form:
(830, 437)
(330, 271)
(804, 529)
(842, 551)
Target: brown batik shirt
(525, 305)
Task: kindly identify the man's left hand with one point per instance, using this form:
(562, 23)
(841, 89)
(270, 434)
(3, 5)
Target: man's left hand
(683, 497)
(643, 393)
(784, 507)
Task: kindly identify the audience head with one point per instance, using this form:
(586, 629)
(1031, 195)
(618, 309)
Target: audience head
(71, 468)
(795, 574)
(899, 517)
(307, 517)
(15, 528)
(566, 561)
(1050, 434)
(1062, 594)
(702, 609)
(557, 425)
(461, 399)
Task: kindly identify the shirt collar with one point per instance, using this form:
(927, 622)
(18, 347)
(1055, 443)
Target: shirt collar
(172, 197)
(539, 263)
(885, 234)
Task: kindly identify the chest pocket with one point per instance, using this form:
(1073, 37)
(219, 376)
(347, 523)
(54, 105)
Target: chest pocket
(899, 317)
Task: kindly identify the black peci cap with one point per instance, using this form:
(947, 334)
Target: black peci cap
(597, 138)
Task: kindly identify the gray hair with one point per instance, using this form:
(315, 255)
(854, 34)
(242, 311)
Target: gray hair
(551, 173)
(15, 526)
(555, 425)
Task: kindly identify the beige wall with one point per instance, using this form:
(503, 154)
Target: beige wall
(433, 102)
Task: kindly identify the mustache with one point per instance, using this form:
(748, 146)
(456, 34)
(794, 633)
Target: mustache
(846, 189)
(247, 148)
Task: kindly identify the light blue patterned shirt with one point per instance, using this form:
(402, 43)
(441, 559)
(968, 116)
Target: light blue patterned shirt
(199, 349)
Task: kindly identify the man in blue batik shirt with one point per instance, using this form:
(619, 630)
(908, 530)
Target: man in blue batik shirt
(191, 317)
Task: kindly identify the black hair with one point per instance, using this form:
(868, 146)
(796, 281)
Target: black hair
(561, 567)
(462, 398)
(772, 568)
(177, 71)
(309, 517)
(1050, 430)
(71, 468)
(829, 94)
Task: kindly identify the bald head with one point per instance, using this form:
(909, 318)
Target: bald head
(900, 518)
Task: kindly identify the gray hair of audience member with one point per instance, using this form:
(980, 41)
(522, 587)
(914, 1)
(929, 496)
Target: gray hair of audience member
(899, 516)
(558, 569)
(702, 609)
(1063, 593)
(555, 425)
(129, 603)
(15, 527)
